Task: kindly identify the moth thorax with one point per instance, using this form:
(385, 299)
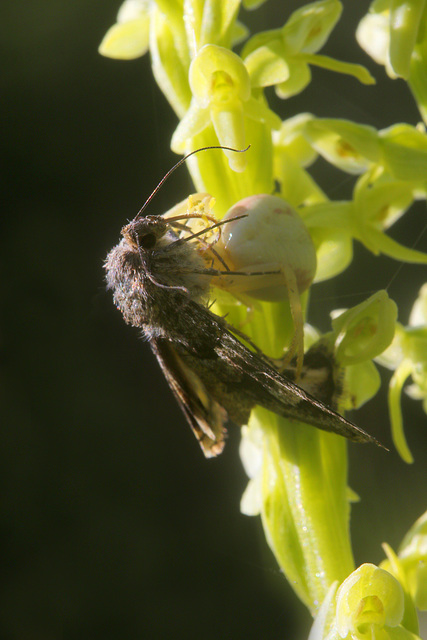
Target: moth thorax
(272, 237)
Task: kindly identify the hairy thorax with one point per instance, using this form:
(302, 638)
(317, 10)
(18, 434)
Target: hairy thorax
(147, 283)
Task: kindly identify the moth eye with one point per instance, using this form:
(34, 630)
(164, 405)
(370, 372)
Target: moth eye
(148, 241)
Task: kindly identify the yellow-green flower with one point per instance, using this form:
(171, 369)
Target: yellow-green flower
(400, 150)
(128, 37)
(222, 98)
(292, 153)
(359, 335)
(368, 605)
(407, 355)
(394, 34)
(156, 25)
(364, 331)
(390, 31)
(394, 167)
(410, 565)
(377, 204)
(282, 57)
(369, 599)
(393, 164)
(351, 147)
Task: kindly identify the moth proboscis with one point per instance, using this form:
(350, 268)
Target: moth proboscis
(161, 285)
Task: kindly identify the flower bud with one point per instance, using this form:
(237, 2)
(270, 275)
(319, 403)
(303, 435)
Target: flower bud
(271, 238)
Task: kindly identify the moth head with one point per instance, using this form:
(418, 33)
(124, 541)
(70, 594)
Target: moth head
(145, 233)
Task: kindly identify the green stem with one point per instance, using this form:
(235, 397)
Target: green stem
(306, 510)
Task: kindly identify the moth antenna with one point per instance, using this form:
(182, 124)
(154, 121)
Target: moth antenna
(178, 164)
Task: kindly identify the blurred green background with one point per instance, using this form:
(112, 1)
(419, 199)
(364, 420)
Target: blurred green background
(112, 522)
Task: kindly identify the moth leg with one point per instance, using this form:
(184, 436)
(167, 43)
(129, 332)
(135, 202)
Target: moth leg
(216, 256)
(296, 348)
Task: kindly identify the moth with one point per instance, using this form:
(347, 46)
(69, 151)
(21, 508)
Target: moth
(161, 283)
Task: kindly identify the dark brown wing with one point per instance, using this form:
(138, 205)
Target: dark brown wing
(205, 416)
(239, 379)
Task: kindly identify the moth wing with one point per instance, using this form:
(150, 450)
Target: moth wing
(284, 397)
(205, 416)
(251, 380)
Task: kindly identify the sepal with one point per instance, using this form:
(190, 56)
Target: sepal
(128, 38)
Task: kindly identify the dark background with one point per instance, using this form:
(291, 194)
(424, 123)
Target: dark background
(112, 522)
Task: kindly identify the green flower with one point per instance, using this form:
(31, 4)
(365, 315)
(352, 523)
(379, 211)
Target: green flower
(390, 31)
(282, 57)
(379, 201)
(351, 147)
(394, 165)
(292, 153)
(212, 23)
(400, 150)
(407, 355)
(368, 605)
(410, 565)
(369, 599)
(222, 98)
(359, 335)
(159, 26)
(128, 38)
(394, 34)
(363, 332)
